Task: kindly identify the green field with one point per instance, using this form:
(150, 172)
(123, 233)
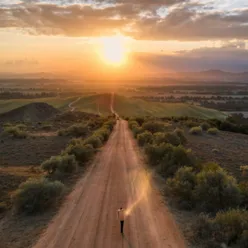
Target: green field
(124, 106)
(57, 102)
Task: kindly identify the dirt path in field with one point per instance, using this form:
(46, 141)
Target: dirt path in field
(72, 109)
(116, 179)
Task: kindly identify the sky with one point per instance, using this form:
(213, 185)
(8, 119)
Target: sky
(89, 37)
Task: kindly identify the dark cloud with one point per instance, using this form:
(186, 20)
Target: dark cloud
(183, 19)
(227, 59)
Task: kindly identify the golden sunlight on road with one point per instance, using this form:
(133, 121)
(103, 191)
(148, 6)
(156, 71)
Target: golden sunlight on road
(113, 50)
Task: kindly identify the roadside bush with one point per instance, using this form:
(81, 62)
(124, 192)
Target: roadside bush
(174, 159)
(137, 130)
(153, 126)
(205, 126)
(36, 196)
(216, 190)
(180, 133)
(140, 120)
(64, 164)
(228, 228)
(93, 140)
(145, 138)
(15, 132)
(156, 153)
(109, 124)
(83, 153)
(103, 134)
(213, 131)
(76, 130)
(196, 131)
(132, 124)
(182, 185)
(167, 137)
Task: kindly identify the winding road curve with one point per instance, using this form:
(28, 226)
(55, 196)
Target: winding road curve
(117, 178)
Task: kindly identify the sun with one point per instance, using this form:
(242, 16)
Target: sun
(113, 50)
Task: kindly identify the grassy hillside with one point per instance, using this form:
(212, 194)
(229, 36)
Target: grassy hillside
(136, 107)
(100, 104)
(60, 103)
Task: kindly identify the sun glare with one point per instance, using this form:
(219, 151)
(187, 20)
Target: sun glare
(113, 50)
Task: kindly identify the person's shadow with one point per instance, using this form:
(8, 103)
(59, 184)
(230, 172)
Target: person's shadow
(125, 240)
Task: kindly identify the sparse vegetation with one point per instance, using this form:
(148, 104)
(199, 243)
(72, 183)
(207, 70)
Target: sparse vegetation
(37, 195)
(196, 130)
(227, 228)
(213, 131)
(76, 130)
(15, 132)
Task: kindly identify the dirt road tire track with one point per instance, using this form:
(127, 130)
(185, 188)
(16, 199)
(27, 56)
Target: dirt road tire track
(117, 178)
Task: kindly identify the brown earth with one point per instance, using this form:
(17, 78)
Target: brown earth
(30, 151)
(229, 150)
(33, 112)
(116, 179)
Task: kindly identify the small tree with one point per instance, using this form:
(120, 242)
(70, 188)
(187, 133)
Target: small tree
(144, 138)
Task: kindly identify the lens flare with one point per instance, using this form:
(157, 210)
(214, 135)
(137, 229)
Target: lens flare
(140, 187)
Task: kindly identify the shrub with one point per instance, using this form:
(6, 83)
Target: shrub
(83, 153)
(183, 184)
(37, 195)
(102, 133)
(136, 131)
(93, 140)
(216, 190)
(167, 137)
(140, 120)
(174, 159)
(153, 126)
(180, 133)
(229, 228)
(156, 153)
(145, 138)
(109, 124)
(47, 127)
(205, 126)
(15, 132)
(133, 124)
(196, 131)
(190, 123)
(213, 131)
(64, 164)
(76, 130)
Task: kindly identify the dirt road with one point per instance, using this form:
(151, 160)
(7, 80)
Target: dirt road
(70, 106)
(117, 179)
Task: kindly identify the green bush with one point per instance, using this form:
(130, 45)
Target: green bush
(76, 130)
(196, 131)
(145, 138)
(93, 140)
(216, 190)
(174, 159)
(229, 228)
(167, 137)
(109, 124)
(103, 134)
(183, 184)
(15, 132)
(156, 153)
(36, 196)
(153, 126)
(63, 164)
(213, 131)
(132, 124)
(205, 126)
(136, 131)
(190, 123)
(83, 153)
(180, 133)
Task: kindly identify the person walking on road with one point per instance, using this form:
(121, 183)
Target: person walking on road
(121, 217)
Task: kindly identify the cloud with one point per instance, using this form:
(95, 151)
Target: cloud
(141, 19)
(225, 58)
